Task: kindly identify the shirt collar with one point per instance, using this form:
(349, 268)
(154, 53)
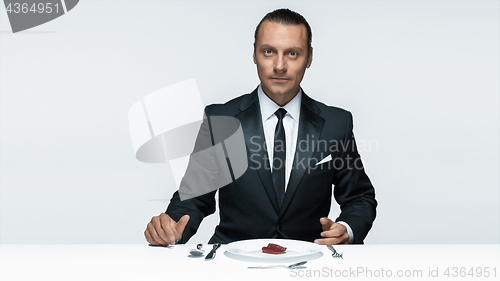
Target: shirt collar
(268, 107)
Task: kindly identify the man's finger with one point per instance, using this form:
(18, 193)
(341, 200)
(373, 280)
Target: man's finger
(164, 218)
(326, 223)
(343, 239)
(149, 238)
(181, 224)
(155, 235)
(335, 231)
(168, 229)
(167, 224)
(160, 229)
(327, 241)
(178, 228)
(332, 233)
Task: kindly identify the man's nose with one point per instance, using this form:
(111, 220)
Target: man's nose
(280, 64)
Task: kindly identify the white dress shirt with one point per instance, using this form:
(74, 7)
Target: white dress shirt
(291, 125)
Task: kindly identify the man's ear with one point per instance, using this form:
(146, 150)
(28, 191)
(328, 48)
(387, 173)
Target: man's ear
(310, 58)
(254, 60)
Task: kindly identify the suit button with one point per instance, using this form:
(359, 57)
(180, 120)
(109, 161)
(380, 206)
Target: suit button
(278, 227)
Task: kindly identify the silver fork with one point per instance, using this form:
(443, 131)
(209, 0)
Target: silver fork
(335, 255)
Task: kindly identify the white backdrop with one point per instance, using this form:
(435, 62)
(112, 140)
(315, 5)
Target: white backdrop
(420, 77)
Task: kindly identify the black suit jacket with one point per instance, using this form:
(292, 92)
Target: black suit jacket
(248, 206)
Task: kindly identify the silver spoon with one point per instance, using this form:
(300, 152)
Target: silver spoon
(198, 251)
(280, 266)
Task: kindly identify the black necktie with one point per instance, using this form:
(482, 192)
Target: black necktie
(279, 156)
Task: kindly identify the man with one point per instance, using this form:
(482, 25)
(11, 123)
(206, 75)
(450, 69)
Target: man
(297, 149)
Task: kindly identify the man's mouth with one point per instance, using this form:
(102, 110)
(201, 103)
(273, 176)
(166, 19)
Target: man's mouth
(279, 79)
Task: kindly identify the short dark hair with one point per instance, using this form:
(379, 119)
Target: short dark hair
(288, 17)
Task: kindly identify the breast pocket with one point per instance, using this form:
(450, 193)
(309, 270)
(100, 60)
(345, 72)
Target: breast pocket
(320, 164)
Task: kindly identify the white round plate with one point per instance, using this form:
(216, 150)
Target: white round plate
(251, 250)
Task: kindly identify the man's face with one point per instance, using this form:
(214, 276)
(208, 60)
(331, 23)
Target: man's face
(281, 57)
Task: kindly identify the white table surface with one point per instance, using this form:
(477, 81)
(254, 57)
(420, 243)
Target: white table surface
(142, 262)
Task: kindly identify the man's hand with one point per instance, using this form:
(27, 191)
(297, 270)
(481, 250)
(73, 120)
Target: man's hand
(333, 233)
(163, 230)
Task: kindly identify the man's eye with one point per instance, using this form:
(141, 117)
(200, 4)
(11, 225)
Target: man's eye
(293, 54)
(268, 52)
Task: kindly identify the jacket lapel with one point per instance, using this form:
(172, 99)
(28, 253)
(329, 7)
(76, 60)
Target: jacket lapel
(310, 128)
(251, 122)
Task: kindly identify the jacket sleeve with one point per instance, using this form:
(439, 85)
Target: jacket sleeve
(353, 190)
(198, 175)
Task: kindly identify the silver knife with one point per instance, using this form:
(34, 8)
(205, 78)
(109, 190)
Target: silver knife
(211, 255)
